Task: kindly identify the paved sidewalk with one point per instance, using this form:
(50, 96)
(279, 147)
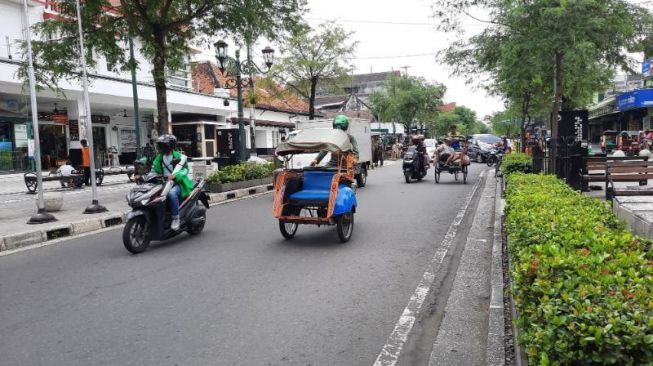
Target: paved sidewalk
(15, 183)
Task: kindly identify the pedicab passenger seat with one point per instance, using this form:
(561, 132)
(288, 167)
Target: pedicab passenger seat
(316, 187)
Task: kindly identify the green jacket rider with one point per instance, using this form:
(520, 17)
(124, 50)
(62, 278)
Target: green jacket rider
(341, 122)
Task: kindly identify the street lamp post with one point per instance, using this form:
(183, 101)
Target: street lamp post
(238, 82)
(41, 216)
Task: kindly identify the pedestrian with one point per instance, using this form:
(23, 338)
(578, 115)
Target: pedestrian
(65, 170)
(86, 161)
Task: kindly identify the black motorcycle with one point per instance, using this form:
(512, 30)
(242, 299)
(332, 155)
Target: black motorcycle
(150, 218)
(493, 157)
(411, 164)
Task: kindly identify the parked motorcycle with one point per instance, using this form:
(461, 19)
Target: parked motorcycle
(493, 157)
(411, 165)
(150, 218)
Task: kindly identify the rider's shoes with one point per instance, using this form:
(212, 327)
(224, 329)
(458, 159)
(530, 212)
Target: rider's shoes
(175, 224)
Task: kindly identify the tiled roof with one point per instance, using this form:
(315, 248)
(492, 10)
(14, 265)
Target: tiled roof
(271, 97)
(376, 76)
(449, 107)
(327, 100)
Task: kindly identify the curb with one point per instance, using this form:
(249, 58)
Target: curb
(39, 236)
(495, 353)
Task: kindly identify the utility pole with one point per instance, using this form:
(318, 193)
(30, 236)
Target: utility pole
(137, 117)
(405, 69)
(41, 216)
(95, 206)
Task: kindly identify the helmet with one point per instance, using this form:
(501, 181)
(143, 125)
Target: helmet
(341, 122)
(166, 143)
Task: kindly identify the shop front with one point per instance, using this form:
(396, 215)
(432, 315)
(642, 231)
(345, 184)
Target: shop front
(635, 108)
(13, 144)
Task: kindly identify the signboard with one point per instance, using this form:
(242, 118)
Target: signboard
(573, 123)
(95, 118)
(646, 68)
(127, 140)
(639, 98)
(228, 142)
(73, 129)
(20, 135)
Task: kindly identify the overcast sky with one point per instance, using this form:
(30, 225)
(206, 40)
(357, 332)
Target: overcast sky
(381, 43)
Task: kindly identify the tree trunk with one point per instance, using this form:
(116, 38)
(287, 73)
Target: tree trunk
(554, 112)
(311, 99)
(159, 74)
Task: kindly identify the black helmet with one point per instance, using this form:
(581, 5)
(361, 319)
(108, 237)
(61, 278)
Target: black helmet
(166, 143)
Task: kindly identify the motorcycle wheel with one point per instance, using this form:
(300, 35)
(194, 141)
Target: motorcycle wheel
(490, 160)
(479, 158)
(288, 229)
(345, 226)
(135, 235)
(407, 176)
(200, 213)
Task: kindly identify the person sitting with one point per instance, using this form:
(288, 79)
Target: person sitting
(66, 170)
(163, 165)
(341, 122)
(448, 154)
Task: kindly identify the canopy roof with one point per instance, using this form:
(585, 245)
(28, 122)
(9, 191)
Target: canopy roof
(315, 140)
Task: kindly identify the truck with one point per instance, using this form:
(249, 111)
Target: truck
(359, 128)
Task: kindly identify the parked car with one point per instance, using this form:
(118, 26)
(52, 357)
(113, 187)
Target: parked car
(480, 145)
(430, 147)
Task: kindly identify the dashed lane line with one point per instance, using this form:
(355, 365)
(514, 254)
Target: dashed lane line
(394, 345)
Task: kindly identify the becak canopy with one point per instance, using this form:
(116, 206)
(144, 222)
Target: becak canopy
(316, 140)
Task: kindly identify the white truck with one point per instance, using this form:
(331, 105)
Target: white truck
(359, 128)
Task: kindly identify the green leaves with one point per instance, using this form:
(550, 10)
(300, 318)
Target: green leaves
(408, 99)
(516, 162)
(581, 282)
(241, 172)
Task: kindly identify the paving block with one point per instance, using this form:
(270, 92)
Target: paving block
(2, 244)
(86, 226)
(24, 239)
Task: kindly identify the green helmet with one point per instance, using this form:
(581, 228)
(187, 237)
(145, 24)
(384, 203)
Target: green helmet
(341, 122)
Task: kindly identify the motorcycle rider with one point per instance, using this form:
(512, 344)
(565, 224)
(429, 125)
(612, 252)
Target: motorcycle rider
(341, 122)
(163, 165)
(418, 143)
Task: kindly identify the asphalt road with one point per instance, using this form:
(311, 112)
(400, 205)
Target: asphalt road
(238, 294)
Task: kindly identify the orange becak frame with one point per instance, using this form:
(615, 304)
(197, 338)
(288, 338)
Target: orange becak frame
(282, 179)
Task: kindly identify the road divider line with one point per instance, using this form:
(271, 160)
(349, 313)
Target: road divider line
(396, 341)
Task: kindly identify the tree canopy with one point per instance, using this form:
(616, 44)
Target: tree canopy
(165, 29)
(538, 53)
(408, 99)
(315, 56)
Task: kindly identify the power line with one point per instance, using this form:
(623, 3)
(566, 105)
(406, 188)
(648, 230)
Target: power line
(377, 22)
(394, 56)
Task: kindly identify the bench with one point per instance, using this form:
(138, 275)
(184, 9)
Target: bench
(628, 171)
(75, 180)
(594, 167)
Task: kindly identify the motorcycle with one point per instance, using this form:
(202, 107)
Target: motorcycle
(411, 164)
(150, 219)
(493, 157)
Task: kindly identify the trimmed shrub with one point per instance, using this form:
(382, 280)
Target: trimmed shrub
(241, 172)
(516, 162)
(582, 283)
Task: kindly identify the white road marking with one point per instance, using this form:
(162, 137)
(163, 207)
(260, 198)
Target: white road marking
(394, 345)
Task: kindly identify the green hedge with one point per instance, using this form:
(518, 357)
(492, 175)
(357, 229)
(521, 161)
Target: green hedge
(582, 283)
(516, 162)
(241, 172)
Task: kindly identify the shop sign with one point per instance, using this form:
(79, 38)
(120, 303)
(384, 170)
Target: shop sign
(646, 68)
(20, 135)
(59, 118)
(73, 129)
(96, 118)
(30, 148)
(127, 140)
(573, 123)
(640, 98)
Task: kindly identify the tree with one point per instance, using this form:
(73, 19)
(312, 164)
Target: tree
(312, 57)
(462, 117)
(547, 50)
(408, 99)
(164, 28)
(505, 123)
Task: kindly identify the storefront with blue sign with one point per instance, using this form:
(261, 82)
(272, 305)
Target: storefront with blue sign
(633, 108)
